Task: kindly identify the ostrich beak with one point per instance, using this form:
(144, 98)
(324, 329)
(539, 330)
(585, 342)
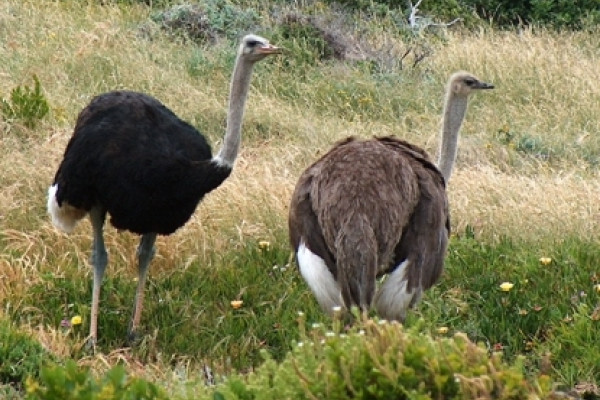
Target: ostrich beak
(270, 49)
(483, 85)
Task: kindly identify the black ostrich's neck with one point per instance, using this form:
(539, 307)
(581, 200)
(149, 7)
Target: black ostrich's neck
(213, 176)
(240, 84)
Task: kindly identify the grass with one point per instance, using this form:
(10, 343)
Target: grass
(525, 187)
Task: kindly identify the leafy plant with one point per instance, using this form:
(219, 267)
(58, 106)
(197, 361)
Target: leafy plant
(20, 355)
(26, 104)
(558, 14)
(385, 361)
(304, 41)
(208, 21)
(71, 382)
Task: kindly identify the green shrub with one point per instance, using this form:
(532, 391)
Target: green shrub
(26, 104)
(574, 14)
(72, 382)
(385, 361)
(207, 21)
(20, 355)
(304, 42)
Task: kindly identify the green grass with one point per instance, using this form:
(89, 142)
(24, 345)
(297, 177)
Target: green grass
(187, 310)
(536, 313)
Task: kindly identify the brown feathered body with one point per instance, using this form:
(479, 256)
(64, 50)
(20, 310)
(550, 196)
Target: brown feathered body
(368, 208)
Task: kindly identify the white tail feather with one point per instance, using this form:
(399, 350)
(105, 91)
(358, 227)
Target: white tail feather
(66, 217)
(319, 279)
(393, 299)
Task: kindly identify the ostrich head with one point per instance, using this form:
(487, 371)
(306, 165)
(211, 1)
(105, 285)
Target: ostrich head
(254, 48)
(463, 84)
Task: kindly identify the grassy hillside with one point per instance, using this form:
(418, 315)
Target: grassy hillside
(525, 186)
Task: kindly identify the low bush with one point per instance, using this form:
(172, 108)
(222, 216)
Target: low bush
(578, 14)
(71, 382)
(20, 355)
(208, 21)
(386, 361)
(26, 104)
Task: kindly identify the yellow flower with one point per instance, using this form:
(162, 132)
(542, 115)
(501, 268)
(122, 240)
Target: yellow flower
(597, 287)
(523, 312)
(76, 320)
(31, 386)
(442, 330)
(107, 392)
(236, 304)
(545, 260)
(506, 286)
(264, 245)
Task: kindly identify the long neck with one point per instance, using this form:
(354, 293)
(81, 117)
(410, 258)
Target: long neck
(238, 92)
(454, 113)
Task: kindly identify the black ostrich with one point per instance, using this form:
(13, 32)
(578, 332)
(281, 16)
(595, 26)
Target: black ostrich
(133, 158)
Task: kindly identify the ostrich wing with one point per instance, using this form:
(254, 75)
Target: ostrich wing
(425, 238)
(147, 167)
(304, 224)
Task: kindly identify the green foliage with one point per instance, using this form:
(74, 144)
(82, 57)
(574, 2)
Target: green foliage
(26, 104)
(71, 382)
(303, 41)
(20, 355)
(576, 14)
(207, 21)
(558, 14)
(384, 361)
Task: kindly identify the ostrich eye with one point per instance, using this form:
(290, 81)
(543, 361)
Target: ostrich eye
(252, 43)
(469, 82)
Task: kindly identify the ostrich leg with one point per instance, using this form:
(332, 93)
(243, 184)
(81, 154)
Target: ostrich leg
(99, 260)
(145, 254)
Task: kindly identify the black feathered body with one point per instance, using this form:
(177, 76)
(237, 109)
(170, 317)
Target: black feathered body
(134, 158)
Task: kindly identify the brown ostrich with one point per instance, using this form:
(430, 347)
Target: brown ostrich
(376, 207)
(132, 158)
